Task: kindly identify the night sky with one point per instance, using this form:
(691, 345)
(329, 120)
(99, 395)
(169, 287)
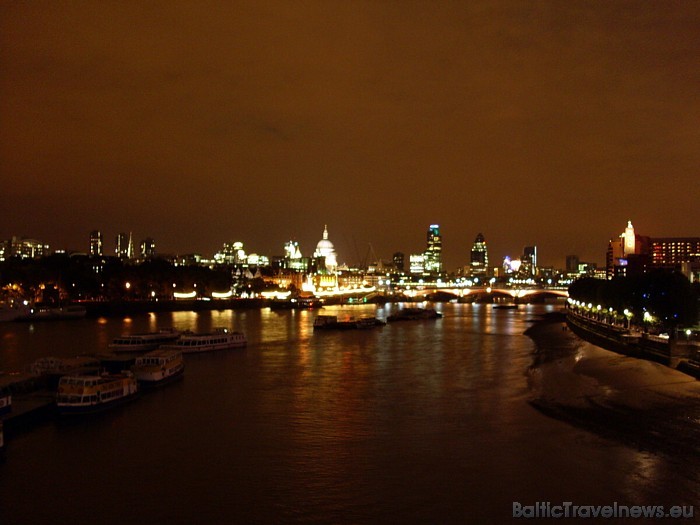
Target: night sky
(197, 123)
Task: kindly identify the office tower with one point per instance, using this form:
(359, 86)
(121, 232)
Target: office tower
(479, 256)
(529, 261)
(572, 263)
(670, 252)
(124, 246)
(433, 253)
(398, 259)
(95, 243)
(148, 248)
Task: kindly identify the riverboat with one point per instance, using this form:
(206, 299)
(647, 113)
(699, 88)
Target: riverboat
(86, 394)
(413, 314)
(144, 342)
(159, 367)
(220, 339)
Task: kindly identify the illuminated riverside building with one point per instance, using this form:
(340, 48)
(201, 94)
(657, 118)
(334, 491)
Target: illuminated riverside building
(96, 243)
(23, 248)
(432, 257)
(416, 263)
(325, 249)
(231, 253)
(633, 254)
(628, 254)
(674, 251)
(479, 257)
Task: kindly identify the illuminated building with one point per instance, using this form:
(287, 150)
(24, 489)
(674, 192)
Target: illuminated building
(628, 254)
(325, 249)
(416, 263)
(124, 246)
(674, 251)
(433, 253)
(479, 257)
(148, 248)
(231, 253)
(96, 242)
(398, 259)
(23, 248)
(529, 261)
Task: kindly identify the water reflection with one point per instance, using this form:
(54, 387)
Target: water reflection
(425, 422)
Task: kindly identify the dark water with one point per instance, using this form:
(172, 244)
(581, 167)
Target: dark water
(424, 422)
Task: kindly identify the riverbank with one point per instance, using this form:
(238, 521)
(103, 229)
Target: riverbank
(634, 401)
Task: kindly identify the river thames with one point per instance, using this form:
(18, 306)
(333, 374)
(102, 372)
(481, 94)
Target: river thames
(440, 421)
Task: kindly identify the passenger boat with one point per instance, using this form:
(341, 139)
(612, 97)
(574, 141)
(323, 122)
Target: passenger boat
(159, 367)
(144, 342)
(412, 314)
(86, 394)
(220, 339)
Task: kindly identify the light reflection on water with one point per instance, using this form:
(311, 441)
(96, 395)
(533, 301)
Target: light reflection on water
(420, 422)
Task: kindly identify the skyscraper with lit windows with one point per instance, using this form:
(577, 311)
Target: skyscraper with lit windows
(432, 256)
(96, 241)
(479, 256)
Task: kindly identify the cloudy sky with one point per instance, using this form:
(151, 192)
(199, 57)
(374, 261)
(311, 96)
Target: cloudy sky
(196, 123)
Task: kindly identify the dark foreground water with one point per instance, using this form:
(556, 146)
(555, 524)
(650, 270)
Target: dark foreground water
(446, 421)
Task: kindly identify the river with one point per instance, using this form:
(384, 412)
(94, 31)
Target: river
(441, 421)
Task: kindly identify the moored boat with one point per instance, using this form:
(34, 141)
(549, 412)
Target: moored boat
(220, 339)
(412, 314)
(144, 342)
(86, 394)
(159, 367)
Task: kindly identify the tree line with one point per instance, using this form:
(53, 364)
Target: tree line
(667, 296)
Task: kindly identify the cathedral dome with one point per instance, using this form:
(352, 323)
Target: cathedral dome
(325, 248)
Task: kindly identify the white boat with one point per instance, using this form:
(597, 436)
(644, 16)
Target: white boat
(86, 394)
(144, 342)
(220, 339)
(159, 367)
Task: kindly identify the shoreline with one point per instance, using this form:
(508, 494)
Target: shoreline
(638, 402)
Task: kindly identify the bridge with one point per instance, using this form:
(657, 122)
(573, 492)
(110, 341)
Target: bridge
(485, 291)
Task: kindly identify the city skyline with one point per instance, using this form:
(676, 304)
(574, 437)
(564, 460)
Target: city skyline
(545, 125)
